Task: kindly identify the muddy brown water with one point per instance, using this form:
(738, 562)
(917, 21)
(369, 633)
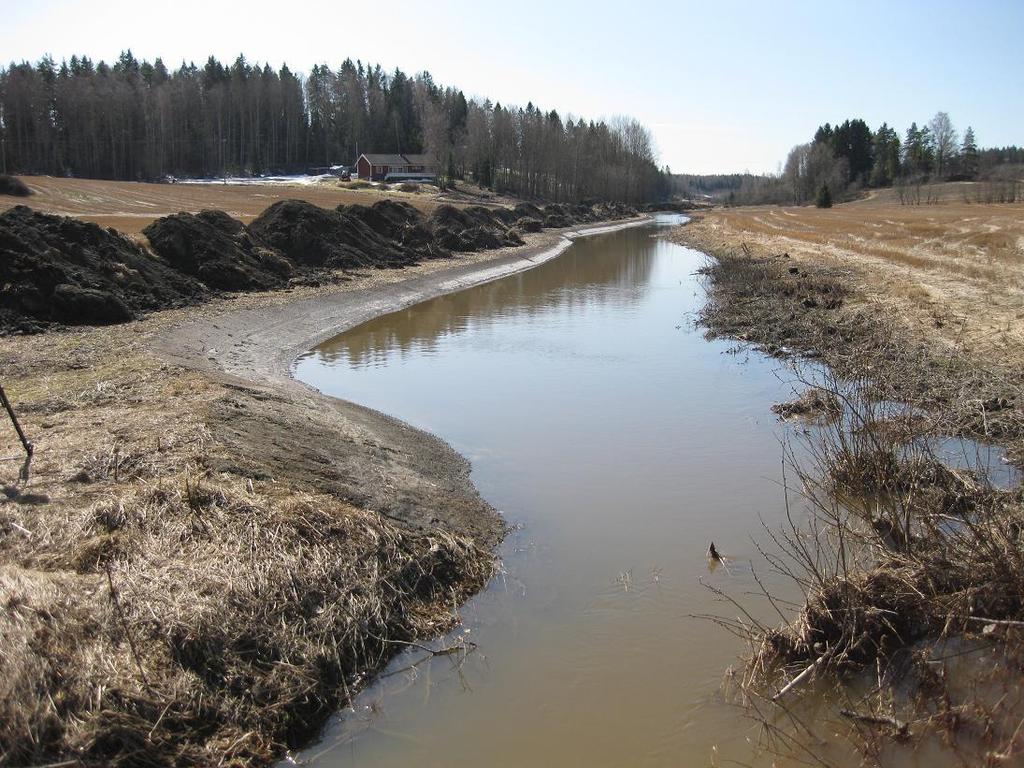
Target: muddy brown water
(619, 442)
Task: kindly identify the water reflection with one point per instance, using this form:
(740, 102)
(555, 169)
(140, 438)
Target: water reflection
(622, 443)
(589, 275)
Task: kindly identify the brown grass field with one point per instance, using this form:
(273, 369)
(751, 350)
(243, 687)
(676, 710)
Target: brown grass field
(131, 206)
(955, 266)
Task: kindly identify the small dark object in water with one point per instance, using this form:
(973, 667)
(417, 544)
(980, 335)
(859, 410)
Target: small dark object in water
(713, 553)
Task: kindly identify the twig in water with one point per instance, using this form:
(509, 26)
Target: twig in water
(805, 675)
(1000, 622)
(901, 728)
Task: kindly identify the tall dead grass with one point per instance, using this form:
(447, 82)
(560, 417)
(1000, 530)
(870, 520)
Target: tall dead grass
(894, 552)
(194, 622)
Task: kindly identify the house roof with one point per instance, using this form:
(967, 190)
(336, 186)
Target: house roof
(398, 160)
(419, 159)
(386, 159)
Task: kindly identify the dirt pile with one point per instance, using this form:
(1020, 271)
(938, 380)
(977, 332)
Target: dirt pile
(218, 250)
(556, 216)
(310, 236)
(670, 206)
(12, 185)
(61, 270)
(471, 229)
(528, 211)
(396, 221)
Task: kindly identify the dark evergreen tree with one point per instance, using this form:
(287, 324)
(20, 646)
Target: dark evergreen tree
(824, 198)
(969, 158)
(886, 153)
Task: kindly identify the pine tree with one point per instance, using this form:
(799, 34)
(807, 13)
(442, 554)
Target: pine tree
(969, 154)
(824, 198)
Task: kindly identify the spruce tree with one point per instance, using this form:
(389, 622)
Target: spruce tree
(969, 154)
(824, 198)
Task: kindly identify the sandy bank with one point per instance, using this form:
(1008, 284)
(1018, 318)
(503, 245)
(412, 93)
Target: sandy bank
(357, 454)
(350, 452)
(262, 342)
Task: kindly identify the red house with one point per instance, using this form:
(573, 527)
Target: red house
(396, 168)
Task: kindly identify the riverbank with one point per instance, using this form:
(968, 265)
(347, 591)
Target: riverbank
(902, 552)
(955, 270)
(854, 315)
(208, 558)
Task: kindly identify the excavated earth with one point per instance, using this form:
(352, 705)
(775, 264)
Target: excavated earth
(61, 271)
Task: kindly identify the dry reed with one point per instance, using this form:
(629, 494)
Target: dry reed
(896, 554)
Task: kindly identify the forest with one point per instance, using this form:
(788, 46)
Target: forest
(136, 120)
(842, 160)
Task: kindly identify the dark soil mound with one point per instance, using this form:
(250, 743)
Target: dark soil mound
(480, 239)
(397, 221)
(471, 229)
(450, 217)
(554, 221)
(671, 206)
(528, 211)
(398, 213)
(581, 212)
(218, 250)
(60, 270)
(505, 215)
(310, 236)
(555, 216)
(608, 211)
(12, 185)
(377, 219)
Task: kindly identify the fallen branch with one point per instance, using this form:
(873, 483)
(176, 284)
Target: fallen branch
(901, 728)
(466, 646)
(796, 681)
(1000, 622)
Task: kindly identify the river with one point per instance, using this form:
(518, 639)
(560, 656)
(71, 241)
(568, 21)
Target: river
(619, 443)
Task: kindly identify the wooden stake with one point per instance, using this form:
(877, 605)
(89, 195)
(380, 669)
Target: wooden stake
(14, 420)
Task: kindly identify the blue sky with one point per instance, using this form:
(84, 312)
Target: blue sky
(724, 85)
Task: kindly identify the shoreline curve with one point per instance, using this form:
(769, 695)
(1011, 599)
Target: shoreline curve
(294, 432)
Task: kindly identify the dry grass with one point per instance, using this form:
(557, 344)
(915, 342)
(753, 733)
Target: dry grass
(955, 266)
(822, 313)
(159, 612)
(896, 554)
(191, 622)
(912, 576)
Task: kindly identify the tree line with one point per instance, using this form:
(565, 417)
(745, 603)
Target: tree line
(137, 120)
(847, 157)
